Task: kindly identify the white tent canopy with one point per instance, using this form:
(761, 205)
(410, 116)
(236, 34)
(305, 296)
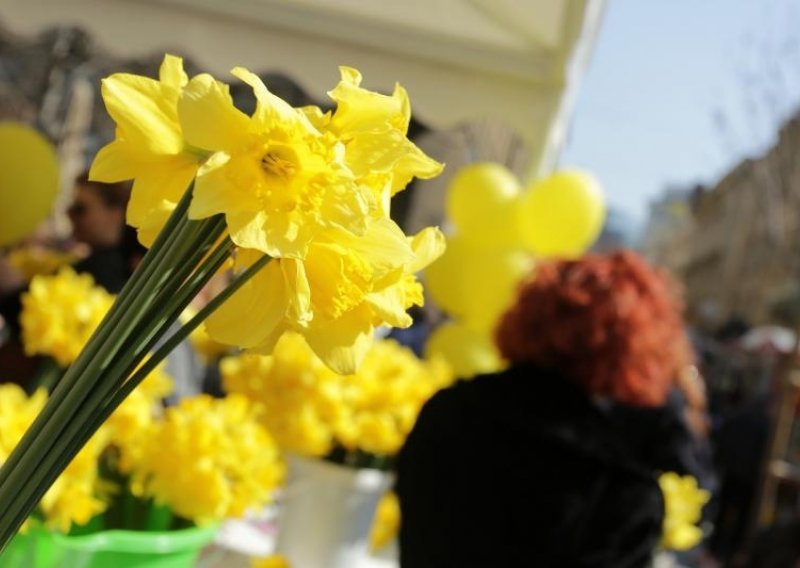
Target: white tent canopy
(517, 62)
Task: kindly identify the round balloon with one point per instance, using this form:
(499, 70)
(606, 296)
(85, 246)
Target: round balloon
(561, 215)
(481, 201)
(28, 181)
(474, 283)
(467, 351)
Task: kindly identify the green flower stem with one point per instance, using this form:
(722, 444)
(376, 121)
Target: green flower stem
(82, 377)
(88, 360)
(127, 357)
(95, 415)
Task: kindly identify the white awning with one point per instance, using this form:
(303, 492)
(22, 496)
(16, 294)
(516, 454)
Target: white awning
(513, 61)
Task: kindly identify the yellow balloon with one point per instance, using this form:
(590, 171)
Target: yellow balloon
(467, 351)
(480, 203)
(561, 215)
(474, 283)
(28, 180)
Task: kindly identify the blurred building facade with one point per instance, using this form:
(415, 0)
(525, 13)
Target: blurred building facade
(736, 245)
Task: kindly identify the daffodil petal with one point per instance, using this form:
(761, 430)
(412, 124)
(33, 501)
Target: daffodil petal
(360, 110)
(143, 114)
(296, 279)
(252, 313)
(114, 163)
(342, 343)
(171, 72)
(269, 107)
(208, 118)
(164, 180)
(428, 245)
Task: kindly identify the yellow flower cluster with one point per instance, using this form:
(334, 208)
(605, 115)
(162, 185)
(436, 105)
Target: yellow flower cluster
(310, 189)
(60, 313)
(683, 507)
(208, 459)
(131, 422)
(309, 409)
(33, 261)
(78, 494)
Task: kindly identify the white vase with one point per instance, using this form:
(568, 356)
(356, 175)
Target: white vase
(326, 513)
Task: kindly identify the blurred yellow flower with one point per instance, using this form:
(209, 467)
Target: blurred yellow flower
(78, 494)
(346, 286)
(17, 411)
(208, 459)
(60, 313)
(149, 146)
(33, 261)
(131, 422)
(386, 523)
(298, 393)
(683, 507)
(309, 408)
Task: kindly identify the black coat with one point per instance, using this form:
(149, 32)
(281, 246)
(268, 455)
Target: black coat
(521, 469)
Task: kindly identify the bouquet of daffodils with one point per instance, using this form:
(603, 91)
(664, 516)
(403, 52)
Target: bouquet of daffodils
(294, 201)
(148, 468)
(361, 419)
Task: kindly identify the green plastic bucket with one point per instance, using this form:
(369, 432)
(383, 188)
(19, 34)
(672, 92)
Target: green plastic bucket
(114, 548)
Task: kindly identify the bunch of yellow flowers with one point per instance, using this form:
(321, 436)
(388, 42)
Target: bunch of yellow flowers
(208, 459)
(60, 313)
(311, 410)
(683, 507)
(297, 201)
(309, 189)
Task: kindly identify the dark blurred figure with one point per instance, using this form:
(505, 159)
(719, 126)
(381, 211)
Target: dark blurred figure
(775, 547)
(526, 467)
(97, 215)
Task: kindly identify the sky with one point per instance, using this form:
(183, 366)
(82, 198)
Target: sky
(679, 91)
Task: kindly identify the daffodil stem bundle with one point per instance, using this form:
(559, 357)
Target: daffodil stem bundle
(115, 360)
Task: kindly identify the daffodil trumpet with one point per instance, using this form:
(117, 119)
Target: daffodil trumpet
(182, 260)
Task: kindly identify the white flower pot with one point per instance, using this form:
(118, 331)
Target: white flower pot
(326, 513)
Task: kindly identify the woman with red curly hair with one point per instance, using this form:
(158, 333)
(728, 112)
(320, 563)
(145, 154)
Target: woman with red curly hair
(526, 467)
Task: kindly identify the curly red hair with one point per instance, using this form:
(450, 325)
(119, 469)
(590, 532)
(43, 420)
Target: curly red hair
(610, 322)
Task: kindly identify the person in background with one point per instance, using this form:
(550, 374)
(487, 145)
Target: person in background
(525, 467)
(111, 252)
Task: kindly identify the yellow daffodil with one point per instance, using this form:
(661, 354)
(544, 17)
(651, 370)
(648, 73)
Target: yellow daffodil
(17, 411)
(386, 523)
(374, 128)
(300, 396)
(78, 493)
(309, 408)
(149, 146)
(60, 313)
(208, 459)
(278, 181)
(130, 423)
(683, 507)
(346, 286)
